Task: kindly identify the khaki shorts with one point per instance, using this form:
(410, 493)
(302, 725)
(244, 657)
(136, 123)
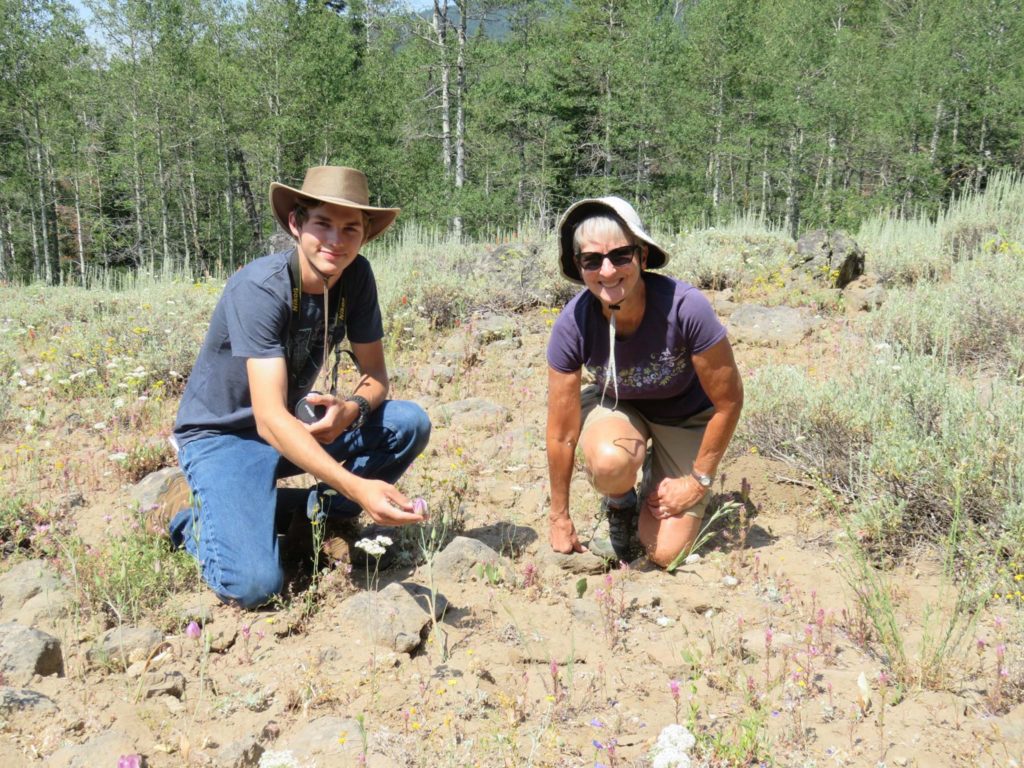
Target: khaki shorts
(671, 449)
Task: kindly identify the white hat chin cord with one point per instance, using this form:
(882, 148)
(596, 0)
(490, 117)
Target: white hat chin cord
(612, 370)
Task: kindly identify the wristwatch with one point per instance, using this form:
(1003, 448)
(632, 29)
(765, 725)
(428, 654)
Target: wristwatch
(704, 480)
(364, 410)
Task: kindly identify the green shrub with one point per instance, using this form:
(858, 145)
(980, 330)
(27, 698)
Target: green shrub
(131, 577)
(903, 442)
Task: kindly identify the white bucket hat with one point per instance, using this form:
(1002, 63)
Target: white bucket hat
(619, 209)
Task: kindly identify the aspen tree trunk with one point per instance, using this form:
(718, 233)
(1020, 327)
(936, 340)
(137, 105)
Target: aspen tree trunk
(186, 265)
(792, 221)
(440, 24)
(36, 267)
(229, 203)
(979, 171)
(47, 268)
(933, 149)
(716, 157)
(829, 172)
(162, 187)
(247, 197)
(79, 241)
(764, 187)
(137, 188)
(6, 272)
(460, 115)
(192, 200)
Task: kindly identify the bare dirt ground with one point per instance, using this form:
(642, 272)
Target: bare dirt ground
(761, 636)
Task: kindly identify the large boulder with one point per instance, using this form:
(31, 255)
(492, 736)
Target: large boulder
(830, 257)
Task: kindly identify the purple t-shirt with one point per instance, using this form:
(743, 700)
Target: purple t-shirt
(655, 373)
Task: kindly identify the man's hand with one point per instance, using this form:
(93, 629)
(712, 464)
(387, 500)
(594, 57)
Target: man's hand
(340, 415)
(385, 503)
(673, 496)
(563, 536)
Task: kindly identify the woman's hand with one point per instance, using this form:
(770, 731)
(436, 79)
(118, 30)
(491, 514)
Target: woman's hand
(673, 496)
(563, 536)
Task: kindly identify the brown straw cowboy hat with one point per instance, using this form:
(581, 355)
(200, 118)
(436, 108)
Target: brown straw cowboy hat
(336, 185)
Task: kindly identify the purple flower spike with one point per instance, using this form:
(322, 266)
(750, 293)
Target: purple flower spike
(129, 761)
(193, 631)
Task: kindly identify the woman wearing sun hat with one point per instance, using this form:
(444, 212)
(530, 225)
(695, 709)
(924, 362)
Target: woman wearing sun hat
(667, 389)
(248, 416)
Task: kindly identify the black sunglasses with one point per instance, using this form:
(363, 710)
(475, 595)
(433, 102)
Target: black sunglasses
(619, 257)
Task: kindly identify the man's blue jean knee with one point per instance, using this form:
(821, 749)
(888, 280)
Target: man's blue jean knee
(232, 529)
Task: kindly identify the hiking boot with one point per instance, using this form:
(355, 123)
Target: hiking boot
(620, 541)
(174, 495)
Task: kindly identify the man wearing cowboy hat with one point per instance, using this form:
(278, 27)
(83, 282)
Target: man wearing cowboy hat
(269, 338)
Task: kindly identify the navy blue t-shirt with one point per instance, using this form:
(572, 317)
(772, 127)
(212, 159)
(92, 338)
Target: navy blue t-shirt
(252, 319)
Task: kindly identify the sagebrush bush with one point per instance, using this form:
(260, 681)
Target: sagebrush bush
(923, 248)
(903, 442)
(973, 320)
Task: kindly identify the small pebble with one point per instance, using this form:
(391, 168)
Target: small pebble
(730, 581)
(691, 559)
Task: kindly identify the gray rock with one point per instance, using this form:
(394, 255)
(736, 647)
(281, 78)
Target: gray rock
(32, 593)
(423, 598)
(437, 373)
(392, 618)
(123, 646)
(105, 750)
(463, 558)
(243, 753)
(25, 652)
(459, 349)
(770, 326)
(164, 684)
(830, 257)
(14, 700)
(864, 294)
(145, 492)
(493, 328)
(472, 413)
(722, 302)
(580, 563)
(329, 740)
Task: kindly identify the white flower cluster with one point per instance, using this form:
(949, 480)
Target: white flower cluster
(672, 749)
(374, 547)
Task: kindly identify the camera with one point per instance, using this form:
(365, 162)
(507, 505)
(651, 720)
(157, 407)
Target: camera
(308, 413)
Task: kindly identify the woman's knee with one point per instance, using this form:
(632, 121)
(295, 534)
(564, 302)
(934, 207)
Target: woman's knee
(610, 467)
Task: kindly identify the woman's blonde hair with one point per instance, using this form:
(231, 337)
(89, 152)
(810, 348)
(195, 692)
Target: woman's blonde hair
(597, 228)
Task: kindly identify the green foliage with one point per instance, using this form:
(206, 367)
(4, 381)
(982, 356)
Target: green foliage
(130, 577)
(151, 147)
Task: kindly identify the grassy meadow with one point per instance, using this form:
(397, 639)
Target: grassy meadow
(906, 428)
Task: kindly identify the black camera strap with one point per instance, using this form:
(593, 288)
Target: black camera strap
(295, 277)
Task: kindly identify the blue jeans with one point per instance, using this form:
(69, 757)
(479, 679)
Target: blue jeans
(232, 527)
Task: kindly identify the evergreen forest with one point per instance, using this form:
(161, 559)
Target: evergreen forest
(143, 134)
